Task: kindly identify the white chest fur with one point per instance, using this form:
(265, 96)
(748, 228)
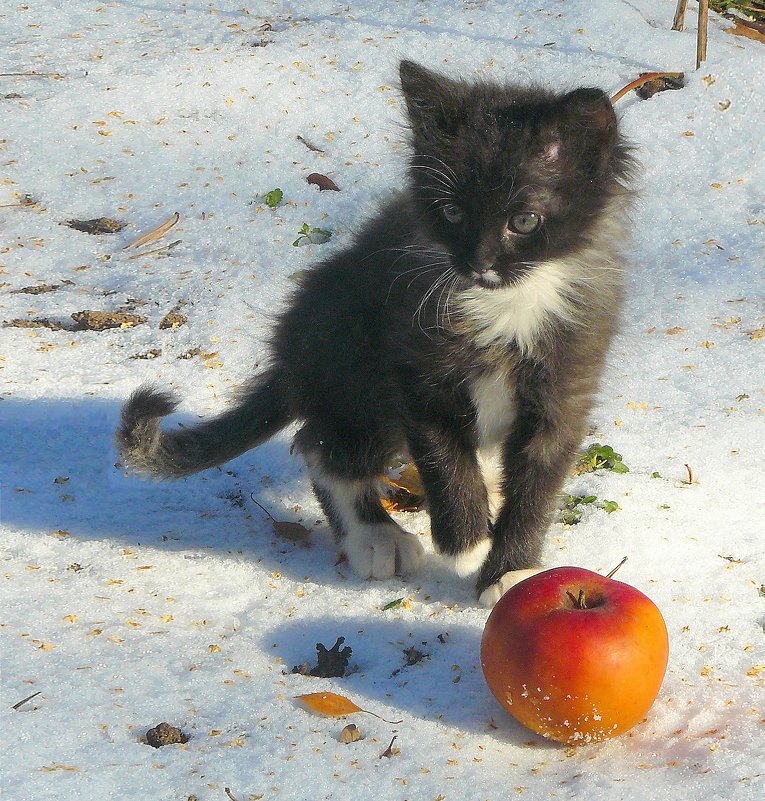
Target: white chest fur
(494, 400)
(521, 312)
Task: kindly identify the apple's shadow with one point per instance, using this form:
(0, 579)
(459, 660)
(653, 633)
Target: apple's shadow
(402, 668)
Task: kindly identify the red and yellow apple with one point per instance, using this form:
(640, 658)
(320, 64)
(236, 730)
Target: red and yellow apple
(575, 656)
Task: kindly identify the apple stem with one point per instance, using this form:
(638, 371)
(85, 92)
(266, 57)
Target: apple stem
(611, 574)
(579, 602)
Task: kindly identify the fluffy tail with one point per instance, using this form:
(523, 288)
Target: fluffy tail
(146, 448)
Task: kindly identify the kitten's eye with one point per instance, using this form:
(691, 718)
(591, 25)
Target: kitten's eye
(526, 222)
(453, 214)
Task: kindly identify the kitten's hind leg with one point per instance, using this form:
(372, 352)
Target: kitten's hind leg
(374, 545)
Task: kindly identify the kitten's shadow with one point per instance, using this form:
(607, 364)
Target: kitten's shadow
(444, 685)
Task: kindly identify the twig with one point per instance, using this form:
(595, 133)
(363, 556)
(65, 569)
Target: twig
(678, 24)
(309, 145)
(156, 250)
(690, 475)
(230, 794)
(638, 82)
(701, 36)
(24, 700)
(388, 752)
(31, 75)
(261, 507)
(611, 574)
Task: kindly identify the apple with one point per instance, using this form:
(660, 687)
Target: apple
(575, 656)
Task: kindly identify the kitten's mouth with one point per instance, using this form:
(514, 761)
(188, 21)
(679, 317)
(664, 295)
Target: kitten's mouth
(488, 279)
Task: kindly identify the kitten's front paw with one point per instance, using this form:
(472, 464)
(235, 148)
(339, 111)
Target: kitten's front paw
(382, 551)
(495, 591)
(468, 561)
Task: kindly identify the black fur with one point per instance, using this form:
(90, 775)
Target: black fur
(379, 352)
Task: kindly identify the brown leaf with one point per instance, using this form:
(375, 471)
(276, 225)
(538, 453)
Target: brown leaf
(296, 533)
(99, 321)
(323, 182)
(329, 704)
(99, 225)
(747, 28)
(36, 322)
(37, 289)
(172, 319)
(350, 734)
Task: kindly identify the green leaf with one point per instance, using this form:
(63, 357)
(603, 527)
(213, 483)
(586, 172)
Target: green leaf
(569, 517)
(619, 467)
(393, 604)
(273, 198)
(588, 499)
(656, 474)
(611, 506)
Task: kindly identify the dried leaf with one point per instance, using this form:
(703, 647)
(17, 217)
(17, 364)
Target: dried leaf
(99, 225)
(751, 30)
(408, 494)
(324, 182)
(155, 233)
(172, 319)
(37, 289)
(329, 704)
(296, 533)
(350, 734)
(90, 320)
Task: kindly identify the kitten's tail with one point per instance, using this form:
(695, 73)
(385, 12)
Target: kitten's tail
(146, 448)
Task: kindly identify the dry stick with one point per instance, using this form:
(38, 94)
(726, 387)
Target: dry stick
(678, 23)
(262, 508)
(230, 794)
(701, 37)
(156, 250)
(308, 144)
(611, 574)
(638, 82)
(30, 75)
(690, 474)
(24, 700)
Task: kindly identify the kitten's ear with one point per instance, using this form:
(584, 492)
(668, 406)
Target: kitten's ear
(587, 127)
(429, 97)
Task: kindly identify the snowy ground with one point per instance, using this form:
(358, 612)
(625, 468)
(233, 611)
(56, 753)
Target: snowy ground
(126, 603)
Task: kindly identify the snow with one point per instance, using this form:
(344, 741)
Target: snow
(126, 603)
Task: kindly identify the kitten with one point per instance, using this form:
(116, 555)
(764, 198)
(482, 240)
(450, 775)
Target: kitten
(467, 325)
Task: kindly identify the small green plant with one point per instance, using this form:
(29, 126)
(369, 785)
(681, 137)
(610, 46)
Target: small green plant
(600, 457)
(611, 506)
(272, 199)
(312, 236)
(571, 512)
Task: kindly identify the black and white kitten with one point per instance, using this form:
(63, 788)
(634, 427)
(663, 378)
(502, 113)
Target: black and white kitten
(466, 325)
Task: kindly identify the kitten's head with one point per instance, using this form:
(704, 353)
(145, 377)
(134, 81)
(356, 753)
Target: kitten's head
(506, 177)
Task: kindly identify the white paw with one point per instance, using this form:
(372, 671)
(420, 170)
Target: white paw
(467, 562)
(382, 551)
(493, 593)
